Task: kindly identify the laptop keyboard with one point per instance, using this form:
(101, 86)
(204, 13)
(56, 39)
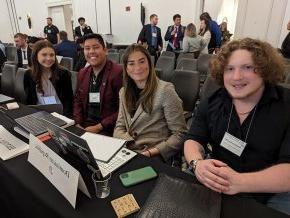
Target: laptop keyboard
(33, 123)
(122, 157)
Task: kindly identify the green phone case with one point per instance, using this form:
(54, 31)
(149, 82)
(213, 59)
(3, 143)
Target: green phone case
(137, 176)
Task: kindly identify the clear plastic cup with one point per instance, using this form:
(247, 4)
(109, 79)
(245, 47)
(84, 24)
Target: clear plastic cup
(102, 184)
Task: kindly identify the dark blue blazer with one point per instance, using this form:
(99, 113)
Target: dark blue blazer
(67, 49)
(146, 36)
(168, 37)
(19, 57)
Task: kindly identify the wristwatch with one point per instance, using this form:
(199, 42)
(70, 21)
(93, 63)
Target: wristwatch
(193, 164)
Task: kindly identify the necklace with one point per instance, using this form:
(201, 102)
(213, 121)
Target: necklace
(244, 113)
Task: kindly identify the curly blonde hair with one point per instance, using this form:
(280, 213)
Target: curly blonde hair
(268, 63)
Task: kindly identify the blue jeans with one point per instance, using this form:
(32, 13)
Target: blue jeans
(280, 202)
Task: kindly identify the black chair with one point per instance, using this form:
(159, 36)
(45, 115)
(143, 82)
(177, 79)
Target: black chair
(165, 67)
(185, 55)
(7, 79)
(11, 55)
(114, 56)
(186, 84)
(74, 77)
(67, 62)
(112, 50)
(19, 92)
(203, 65)
(209, 87)
(168, 54)
(187, 64)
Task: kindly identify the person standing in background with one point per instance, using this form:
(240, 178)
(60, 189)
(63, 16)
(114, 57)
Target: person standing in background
(51, 32)
(216, 35)
(285, 48)
(150, 37)
(205, 33)
(82, 29)
(174, 34)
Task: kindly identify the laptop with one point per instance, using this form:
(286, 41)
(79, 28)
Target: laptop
(58, 108)
(34, 124)
(75, 151)
(63, 137)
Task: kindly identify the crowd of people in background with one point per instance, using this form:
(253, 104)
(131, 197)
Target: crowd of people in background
(134, 104)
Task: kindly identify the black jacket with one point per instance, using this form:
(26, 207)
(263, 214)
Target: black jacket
(86, 30)
(62, 85)
(286, 46)
(146, 36)
(19, 56)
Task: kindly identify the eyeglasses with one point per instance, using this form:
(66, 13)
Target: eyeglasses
(243, 68)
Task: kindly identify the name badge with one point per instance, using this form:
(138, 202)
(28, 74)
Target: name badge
(94, 97)
(48, 31)
(49, 100)
(25, 61)
(233, 144)
(154, 34)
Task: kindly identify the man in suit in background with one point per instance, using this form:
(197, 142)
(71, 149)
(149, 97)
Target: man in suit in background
(285, 48)
(174, 34)
(150, 37)
(82, 29)
(23, 50)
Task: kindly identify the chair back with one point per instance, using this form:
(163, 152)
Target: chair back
(209, 87)
(19, 91)
(166, 64)
(186, 84)
(185, 55)
(114, 56)
(187, 64)
(168, 54)
(67, 62)
(7, 79)
(74, 76)
(203, 65)
(11, 54)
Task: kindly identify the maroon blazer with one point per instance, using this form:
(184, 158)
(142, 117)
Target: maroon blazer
(109, 95)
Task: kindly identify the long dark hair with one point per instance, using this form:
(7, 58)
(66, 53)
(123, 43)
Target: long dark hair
(202, 32)
(36, 68)
(148, 93)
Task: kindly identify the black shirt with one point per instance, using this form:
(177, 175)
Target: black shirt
(268, 141)
(51, 32)
(94, 109)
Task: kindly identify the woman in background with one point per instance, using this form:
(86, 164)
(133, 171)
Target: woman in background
(150, 111)
(205, 33)
(193, 43)
(47, 82)
(226, 35)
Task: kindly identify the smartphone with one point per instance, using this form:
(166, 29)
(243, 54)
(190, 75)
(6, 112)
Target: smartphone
(137, 176)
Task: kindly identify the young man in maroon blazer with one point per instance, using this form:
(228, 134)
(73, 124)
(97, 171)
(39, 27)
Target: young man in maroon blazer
(96, 101)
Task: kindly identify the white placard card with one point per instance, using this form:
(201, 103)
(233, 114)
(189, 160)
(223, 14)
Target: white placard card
(60, 173)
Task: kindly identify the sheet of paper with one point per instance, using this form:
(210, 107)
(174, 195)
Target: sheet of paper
(69, 121)
(10, 146)
(103, 147)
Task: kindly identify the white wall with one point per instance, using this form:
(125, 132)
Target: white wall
(38, 12)
(261, 20)
(286, 19)
(7, 35)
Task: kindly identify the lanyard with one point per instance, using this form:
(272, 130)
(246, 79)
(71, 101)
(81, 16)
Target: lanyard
(252, 118)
